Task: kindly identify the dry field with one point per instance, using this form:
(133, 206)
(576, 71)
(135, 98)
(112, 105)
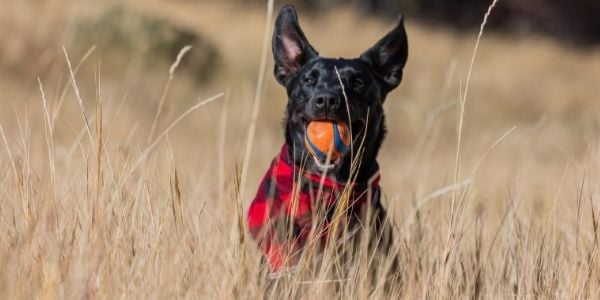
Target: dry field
(97, 204)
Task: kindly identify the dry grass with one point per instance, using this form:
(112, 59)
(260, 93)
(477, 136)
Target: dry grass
(96, 203)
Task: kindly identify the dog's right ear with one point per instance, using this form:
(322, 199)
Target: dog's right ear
(291, 49)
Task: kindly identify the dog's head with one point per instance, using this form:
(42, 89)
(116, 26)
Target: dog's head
(346, 90)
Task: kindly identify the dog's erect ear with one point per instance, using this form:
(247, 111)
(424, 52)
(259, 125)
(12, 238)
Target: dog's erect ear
(388, 57)
(290, 47)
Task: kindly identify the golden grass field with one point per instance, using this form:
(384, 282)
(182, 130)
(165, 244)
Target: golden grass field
(110, 210)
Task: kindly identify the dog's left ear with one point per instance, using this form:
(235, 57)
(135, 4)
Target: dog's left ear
(388, 57)
(291, 49)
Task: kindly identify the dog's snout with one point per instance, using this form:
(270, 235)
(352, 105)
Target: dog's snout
(326, 101)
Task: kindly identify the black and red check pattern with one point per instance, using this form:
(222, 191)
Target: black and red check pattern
(282, 215)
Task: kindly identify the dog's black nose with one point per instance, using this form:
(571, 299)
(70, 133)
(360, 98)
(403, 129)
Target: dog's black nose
(326, 101)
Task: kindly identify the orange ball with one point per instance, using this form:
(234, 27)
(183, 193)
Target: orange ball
(325, 136)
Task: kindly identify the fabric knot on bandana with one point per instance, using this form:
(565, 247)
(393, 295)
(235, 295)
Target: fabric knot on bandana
(294, 208)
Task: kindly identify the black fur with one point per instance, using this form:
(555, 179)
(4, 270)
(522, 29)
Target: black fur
(315, 93)
(314, 90)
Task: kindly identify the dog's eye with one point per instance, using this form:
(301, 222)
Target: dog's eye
(357, 83)
(309, 80)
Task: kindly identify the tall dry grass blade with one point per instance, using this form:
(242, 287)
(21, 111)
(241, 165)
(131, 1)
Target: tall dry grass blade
(257, 97)
(451, 238)
(459, 129)
(163, 98)
(479, 35)
(78, 96)
(337, 73)
(24, 161)
(579, 203)
(49, 137)
(99, 150)
(241, 274)
(595, 220)
(221, 145)
(63, 93)
(463, 98)
(177, 199)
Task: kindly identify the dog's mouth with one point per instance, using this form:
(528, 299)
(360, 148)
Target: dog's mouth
(357, 125)
(357, 128)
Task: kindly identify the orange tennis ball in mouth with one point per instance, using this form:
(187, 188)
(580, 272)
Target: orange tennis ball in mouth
(323, 137)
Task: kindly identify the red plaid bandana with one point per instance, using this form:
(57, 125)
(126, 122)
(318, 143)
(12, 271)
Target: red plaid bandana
(281, 216)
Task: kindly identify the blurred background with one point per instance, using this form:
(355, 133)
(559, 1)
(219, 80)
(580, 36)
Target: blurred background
(537, 70)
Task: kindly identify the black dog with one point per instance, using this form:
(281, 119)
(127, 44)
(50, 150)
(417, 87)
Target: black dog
(301, 196)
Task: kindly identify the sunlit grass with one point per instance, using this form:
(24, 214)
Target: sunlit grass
(113, 188)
